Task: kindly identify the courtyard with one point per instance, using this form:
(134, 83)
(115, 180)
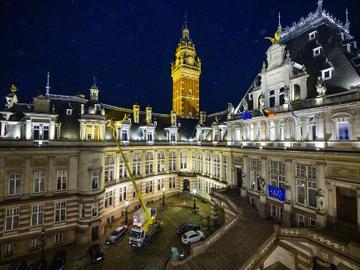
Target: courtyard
(155, 253)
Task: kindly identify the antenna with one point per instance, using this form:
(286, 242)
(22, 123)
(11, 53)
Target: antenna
(47, 87)
(279, 25)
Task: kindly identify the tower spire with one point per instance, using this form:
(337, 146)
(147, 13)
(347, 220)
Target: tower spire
(279, 24)
(47, 87)
(185, 20)
(185, 30)
(347, 22)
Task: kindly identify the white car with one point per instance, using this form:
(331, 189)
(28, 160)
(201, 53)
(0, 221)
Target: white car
(192, 237)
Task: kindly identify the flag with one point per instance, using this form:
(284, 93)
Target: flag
(246, 115)
(268, 113)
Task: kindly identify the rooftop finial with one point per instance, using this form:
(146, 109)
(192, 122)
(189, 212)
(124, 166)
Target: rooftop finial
(13, 89)
(320, 6)
(347, 22)
(185, 31)
(47, 87)
(279, 25)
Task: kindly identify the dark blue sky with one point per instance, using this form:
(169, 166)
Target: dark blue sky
(128, 45)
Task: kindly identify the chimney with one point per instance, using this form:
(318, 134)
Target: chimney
(173, 118)
(148, 114)
(41, 104)
(202, 117)
(136, 113)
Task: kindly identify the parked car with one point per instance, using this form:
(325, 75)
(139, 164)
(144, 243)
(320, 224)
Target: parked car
(19, 265)
(58, 261)
(192, 237)
(96, 253)
(38, 265)
(183, 228)
(116, 235)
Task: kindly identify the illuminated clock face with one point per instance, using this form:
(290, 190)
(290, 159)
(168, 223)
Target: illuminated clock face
(190, 60)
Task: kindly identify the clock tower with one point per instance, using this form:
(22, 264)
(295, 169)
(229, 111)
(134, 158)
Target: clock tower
(185, 73)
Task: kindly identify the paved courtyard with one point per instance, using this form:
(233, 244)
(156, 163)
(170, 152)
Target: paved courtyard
(156, 252)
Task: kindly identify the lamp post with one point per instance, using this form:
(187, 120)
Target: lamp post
(43, 238)
(194, 198)
(163, 196)
(126, 212)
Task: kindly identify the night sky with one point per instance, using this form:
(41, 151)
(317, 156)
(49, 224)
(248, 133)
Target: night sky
(128, 46)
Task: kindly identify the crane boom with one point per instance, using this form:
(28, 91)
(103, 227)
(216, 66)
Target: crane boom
(149, 220)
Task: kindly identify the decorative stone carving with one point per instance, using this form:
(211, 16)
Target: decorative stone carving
(262, 101)
(245, 105)
(320, 200)
(320, 87)
(286, 94)
(352, 174)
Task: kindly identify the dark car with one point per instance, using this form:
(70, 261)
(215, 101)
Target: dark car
(58, 261)
(19, 265)
(116, 235)
(38, 265)
(96, 254)
(183, 228)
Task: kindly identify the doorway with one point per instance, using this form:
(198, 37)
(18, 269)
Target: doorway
(95, 233)
(239, 177)
(186, 185)
(346, 205)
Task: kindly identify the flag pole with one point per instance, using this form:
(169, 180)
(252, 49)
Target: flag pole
(295, 118)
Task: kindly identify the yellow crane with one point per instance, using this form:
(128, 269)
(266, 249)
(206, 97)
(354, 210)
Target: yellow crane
(150, 226)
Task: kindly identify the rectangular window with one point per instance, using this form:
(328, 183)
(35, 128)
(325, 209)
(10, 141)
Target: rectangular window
(225, 167)
(193, 162)
(108, 199)
(172, 182)
(37, 215)
(12, 218)
(40, 131)
(207, 164)
(216, 166)
(343, 131)
(277, 174)
(149, 187)
(109, 168)
(255, 175)
(124, 135)
(81, 210)
(122, 168)
(183, 160)
(149, 163)
(161, 162)
(326, 74)
(8, 250)
(136, 164)
(300, 220)
(35, 243)
(95, 179)
(61, 180)
(60, 211)
(59, 238)
(39, 181)
(200, 162)
(14, 184)
(172, 161)
(306, 185)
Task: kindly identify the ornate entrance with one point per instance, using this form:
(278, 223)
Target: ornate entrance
(346, 205)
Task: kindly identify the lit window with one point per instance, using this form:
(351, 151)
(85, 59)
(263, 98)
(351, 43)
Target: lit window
(343, 131)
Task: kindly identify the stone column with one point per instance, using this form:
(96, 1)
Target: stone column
(321, 197)
(319, 125)
(52, 130)
(290, 189)
(28, 129)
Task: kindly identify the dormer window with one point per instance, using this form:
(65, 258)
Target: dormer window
(97, 107)
(40, 131)
(124, 135)
(172, 137)
(312, 35)
(68, 111)
(326, 74)
(149, 136)
(317, 51)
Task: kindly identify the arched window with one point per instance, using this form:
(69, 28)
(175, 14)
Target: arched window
(343, 131)
(297, 92)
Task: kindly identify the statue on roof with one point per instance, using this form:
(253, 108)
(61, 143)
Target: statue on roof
(11, 98)
(276, 38)
(320, 87)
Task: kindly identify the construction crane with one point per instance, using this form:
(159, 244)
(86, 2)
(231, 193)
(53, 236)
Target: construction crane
(139, 233)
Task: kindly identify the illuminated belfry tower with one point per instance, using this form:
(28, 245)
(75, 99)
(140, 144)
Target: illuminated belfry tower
(185, 73)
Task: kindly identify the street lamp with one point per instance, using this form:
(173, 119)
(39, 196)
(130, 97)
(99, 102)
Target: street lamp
(194, 198)
(163, 196)
(43, 238)
(126, 212)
